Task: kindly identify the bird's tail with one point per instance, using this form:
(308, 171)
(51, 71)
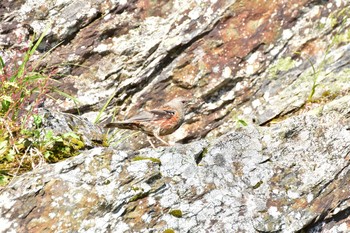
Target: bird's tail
(121, 125)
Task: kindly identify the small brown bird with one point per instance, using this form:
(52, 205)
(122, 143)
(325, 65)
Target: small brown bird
(156, 122)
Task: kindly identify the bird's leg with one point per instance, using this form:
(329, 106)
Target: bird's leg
(156, 134)
(150, 142)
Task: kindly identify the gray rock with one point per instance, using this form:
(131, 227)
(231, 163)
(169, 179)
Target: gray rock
(280, 67)
(270, 179)
(237, 60)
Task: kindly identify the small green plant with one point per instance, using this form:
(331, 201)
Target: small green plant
(22, 88)
(27, 149)
(342, 37)
(113, 140)
(24, 145)
(315, 75)
(117, 137)
(242, 122)
(53, 147)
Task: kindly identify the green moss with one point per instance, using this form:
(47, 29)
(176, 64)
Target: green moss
(339, 19)
(63, 146)
(176, 213)
(4, 179)
(31, 147)
(135, 188)
(257, 185)
(283, 64)
(341, 38)
(168, 231)
(154, 160)
(138, 196)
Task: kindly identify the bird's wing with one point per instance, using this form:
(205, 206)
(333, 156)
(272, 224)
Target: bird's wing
(141, 116)
(152, 115)
(162, 114)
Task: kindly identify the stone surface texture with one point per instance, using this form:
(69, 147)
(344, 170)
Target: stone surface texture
(266, 141)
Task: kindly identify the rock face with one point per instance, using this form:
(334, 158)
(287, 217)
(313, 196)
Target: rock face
(236, 59)
(290, 177)
(280, 67)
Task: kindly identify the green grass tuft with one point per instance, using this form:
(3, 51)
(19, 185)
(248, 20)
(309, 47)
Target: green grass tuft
(24, 145)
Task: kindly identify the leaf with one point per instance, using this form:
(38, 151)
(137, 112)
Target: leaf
(242, 122)
(3, 148)
(4, 179)
(70, 134)
(37, 121)
(2, 66)
(11, 155)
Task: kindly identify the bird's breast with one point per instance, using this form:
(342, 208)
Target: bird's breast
(168, 126)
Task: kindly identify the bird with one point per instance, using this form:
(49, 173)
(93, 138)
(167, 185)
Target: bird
(156, 122)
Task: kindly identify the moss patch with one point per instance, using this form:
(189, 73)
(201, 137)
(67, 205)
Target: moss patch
(283, 64)
(168, 231)
(176, 213)
(154, 160)
(138, 196)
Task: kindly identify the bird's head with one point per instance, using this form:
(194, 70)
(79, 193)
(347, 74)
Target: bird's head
(179, 102)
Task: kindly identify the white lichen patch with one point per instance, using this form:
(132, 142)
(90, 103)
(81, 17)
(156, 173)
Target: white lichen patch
(215, 197)
(123, 2)
(266, 96)
(169, 199)
(101, 48)
(171, 164)
(89, 199)
(309, 197)
(146, 218)
(273, 211)
(54, 204)
(78, 197)
(297, 215)
(275, 191)
(256, 103)
(228, 96)
(195, 13)
(145, 187)
(343, 227)
(151, 201)
(91, 12)
(138, 168)
(287, 34)
(216, 69)
(72, 57)
(227, 72)
(52, 215)
(107, 191)
(247, 110)
(6, 201)
(5, 224)
(292, 194)
(178, 134)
